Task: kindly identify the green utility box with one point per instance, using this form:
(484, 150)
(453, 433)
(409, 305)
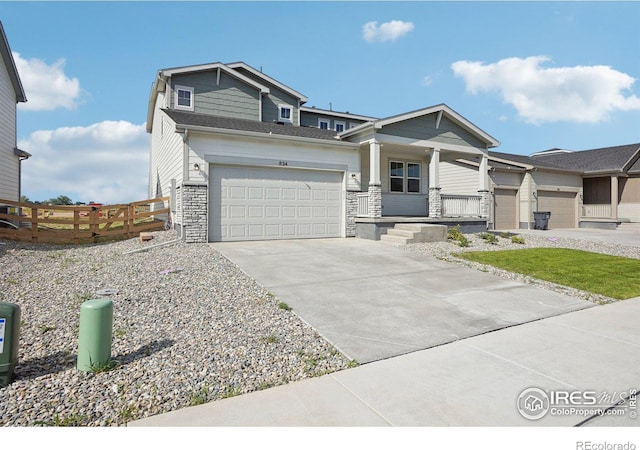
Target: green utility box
(9, 339)
(94, 341)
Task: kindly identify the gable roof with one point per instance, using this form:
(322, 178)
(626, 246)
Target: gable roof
(207, 122)
(268, 79)
(10, 64)
(438, 109)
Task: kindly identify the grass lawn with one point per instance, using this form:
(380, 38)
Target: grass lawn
(612, 276)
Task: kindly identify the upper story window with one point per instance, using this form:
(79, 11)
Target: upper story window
(339, 127)
(285, 113)
(184, 98)
(323, 124)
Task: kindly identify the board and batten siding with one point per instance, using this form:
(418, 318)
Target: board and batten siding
(231, 98)
(424, 128)
(9, 162)
(166, 157)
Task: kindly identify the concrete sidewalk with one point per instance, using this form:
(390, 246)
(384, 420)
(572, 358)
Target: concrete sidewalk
(471, 382)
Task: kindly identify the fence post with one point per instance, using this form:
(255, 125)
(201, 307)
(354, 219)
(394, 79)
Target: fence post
(34, 224)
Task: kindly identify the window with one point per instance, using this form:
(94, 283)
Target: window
(339, 127)
(413, 177)
(184, 98)
(396, 176)
(323, 124)
(285, 113)
(404, 177)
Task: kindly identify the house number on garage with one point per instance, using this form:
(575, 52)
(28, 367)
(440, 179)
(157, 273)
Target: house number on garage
(283, 163)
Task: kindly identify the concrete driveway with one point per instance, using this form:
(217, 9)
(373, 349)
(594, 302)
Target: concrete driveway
(373, 300)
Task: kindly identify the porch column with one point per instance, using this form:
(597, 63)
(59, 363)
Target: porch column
(614, 197)
(375, 185)
(435, 200)
(483, 187)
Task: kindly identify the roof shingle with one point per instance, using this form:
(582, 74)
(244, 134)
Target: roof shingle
(208, 121)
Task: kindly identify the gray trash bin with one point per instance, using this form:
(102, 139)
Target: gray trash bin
(541, 220)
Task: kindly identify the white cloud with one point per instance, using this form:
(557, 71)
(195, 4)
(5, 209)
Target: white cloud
(583, 94)
(388, 31)
(107, 162)
(427, 81)
(46, 86)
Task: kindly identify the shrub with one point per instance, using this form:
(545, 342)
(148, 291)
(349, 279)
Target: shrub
(489, 237)
(454, 233)
(517, 240)
(463, 241)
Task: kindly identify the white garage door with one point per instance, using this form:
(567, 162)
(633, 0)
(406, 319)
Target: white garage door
(257, 203)
(562, 206)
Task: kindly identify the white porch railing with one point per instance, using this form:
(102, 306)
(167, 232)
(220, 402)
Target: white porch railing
(363, 204)
(460, 205)
(596, 211)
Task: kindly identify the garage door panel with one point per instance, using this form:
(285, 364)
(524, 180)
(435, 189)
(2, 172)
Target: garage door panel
(562, 206)
(272, 193)
(267, 203)
(505, 209)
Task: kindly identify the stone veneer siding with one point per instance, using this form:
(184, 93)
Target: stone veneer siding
(351, 212)
(485, 203)
(194, 220)
(435, 203)
(375, 200)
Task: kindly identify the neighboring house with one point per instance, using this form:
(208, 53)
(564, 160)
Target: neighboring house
(11, 93)
(597, 188)
(243, 158)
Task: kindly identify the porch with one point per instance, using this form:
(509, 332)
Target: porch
(374, 227)
(601, 198)
(457, 210)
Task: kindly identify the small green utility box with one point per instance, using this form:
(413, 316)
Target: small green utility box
(9, 340)
(94, 340)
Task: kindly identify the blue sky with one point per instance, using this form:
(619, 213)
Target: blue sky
(535, 75)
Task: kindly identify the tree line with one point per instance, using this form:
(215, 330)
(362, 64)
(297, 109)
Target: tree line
(60, 200)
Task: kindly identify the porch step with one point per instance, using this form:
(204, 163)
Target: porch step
(409, 233)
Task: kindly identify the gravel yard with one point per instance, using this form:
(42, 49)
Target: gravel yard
(446, 250)
(189, 327)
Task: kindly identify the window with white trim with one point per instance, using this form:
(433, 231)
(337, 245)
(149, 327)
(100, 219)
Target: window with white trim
(184, 98)
(404, 177)
(339, 126)
(323, 124)
(285, 113)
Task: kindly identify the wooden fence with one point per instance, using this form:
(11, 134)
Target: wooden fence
(81, 224)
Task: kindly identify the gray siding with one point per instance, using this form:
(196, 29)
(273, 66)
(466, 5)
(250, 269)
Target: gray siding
(424, 127)
(9, 164)
(276, 97)
(231, 98)
(311, 120)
